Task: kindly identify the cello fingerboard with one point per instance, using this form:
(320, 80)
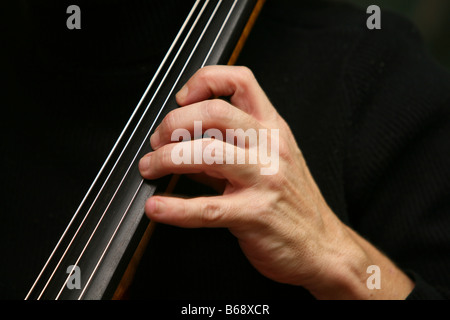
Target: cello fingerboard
(91, 256)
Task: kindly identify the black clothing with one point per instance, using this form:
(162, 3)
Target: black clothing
(369, 109)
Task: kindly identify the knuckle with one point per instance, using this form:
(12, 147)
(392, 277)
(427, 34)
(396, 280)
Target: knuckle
(165, 157)
(203, 74)
(169, 122)
(263, 211)
(218, 110)
(211, 212)
(284, 151)
(246, 77)
(273, 182)
(246, 73)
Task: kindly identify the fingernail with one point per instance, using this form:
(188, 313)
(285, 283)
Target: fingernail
(155, 206)
(182, 94)
(155, 140)
(144, 163)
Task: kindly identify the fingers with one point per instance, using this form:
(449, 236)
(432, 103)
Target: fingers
(216, 114)
(213, 212)
(213, 157)
(231, 165)
(212, 118)
(238, 83)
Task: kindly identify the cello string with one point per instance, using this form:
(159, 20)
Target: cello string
(126, 173)
(134, 131)
(142, 180)
(110, 154)
(110, 241)
(219, 34)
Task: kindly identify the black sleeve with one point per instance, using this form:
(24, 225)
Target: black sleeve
(398, 151)
(423, 290)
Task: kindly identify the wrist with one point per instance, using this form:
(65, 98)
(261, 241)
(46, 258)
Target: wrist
(344, 274)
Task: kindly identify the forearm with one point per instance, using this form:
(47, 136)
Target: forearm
(347, 277)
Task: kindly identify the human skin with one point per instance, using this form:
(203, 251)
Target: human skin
(282, 222)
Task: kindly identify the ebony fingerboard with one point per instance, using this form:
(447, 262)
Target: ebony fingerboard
(109, 223)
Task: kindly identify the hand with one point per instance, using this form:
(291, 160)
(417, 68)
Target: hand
(282, 222)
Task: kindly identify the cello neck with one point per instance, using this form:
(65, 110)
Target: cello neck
(108, 226)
